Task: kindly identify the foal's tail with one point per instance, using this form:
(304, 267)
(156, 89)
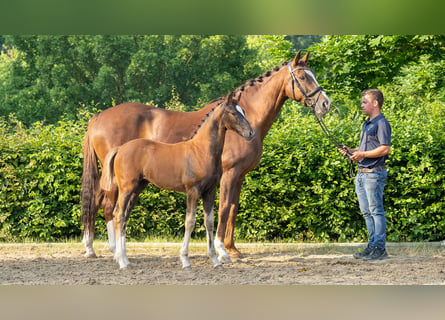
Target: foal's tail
(90, 186)
(107, 179)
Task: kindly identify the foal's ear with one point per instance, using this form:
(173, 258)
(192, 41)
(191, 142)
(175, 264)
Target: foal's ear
(230, 98)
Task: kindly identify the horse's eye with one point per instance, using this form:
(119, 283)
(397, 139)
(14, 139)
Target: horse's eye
(302, 78)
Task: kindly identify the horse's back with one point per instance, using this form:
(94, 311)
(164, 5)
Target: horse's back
(119, 124)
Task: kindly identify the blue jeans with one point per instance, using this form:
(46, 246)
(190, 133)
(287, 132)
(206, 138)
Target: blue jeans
(369, 188)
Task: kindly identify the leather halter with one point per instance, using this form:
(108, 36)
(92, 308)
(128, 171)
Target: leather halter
(308, 100)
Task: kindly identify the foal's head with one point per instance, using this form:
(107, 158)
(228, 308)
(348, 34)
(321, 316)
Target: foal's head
(234, 118)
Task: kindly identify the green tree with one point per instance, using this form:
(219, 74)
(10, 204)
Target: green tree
(349, 64)
(48, 76)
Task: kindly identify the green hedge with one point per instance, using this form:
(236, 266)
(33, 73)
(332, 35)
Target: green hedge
(40, 171)
(301, 191)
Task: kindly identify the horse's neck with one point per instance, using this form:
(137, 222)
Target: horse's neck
(264, 102)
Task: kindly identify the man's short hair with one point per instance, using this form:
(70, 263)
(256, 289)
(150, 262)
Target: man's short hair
(376, 94)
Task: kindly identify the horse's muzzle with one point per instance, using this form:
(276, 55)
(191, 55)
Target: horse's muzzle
(250, 135)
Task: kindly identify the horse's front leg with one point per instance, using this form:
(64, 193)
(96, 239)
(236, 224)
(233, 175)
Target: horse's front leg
(230, 189)
(190, 219)
(208, 204)
(228, 179)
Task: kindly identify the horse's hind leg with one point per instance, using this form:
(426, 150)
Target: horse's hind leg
(89, 223)
(208, 201)
(190, 218)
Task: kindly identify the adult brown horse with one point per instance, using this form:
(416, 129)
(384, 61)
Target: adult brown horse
(192, 167)
(261, 98)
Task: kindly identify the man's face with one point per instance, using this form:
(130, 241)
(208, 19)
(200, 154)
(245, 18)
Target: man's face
(369, 105)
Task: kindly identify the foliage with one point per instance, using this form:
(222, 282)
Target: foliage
(39, 180)
(349, 64)
(45, 77)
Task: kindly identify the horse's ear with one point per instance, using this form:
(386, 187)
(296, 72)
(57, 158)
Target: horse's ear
(297, 58)
(230, 98)
(305, 58)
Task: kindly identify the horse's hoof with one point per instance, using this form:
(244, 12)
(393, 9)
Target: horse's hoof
(225, 259)
(218, 267)
(90, 255)
(187, 268)
(234, 253)
(123, 266)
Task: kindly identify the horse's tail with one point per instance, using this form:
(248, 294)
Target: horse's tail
(90, 186)
(107, 179)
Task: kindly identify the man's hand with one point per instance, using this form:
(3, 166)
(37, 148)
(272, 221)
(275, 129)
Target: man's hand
(346, 151)
(357, 156)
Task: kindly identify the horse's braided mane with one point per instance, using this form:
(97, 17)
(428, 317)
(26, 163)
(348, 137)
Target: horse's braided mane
(238, 91)
(253, 82)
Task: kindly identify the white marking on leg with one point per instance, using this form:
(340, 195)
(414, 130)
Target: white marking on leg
(184, 253)
(111, 236)
(121, 252)
(209, 220)
(223, 256)
(88, 242)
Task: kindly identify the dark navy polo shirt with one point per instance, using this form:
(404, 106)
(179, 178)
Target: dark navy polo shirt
(375, 133)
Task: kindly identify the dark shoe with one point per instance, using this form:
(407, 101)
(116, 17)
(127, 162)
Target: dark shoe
(362, 253)
(377, 254)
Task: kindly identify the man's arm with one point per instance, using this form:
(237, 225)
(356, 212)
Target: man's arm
(378, 152)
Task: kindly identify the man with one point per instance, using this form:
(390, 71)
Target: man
(375, 145)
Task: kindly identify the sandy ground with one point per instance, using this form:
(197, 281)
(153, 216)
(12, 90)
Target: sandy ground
(261, 264)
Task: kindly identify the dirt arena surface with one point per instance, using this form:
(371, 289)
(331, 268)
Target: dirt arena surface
(261, 264)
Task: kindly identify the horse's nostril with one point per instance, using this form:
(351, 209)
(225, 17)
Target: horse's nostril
(326, 105)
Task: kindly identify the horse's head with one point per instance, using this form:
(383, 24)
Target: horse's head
(304, 88)
(235, 119)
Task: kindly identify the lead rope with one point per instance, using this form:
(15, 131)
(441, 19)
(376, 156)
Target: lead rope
(335, 142)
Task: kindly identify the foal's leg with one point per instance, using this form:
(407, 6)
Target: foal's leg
(208, 201)
(120, 223)
(108, 205)
(122, 214)
(190, 218)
